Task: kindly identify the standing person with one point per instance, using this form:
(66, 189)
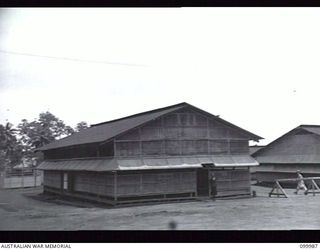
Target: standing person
(213, 186)
(301, 184)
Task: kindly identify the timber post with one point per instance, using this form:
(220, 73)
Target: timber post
(115, 187)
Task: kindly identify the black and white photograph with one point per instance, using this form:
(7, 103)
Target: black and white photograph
(159, 119)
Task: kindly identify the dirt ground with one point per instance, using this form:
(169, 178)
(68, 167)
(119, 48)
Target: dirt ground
(21, 209)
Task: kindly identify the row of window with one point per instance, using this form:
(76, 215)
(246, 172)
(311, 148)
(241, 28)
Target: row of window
(176, 147)
(180, 132)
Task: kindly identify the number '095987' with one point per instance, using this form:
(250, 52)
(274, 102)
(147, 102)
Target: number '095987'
(308, 245)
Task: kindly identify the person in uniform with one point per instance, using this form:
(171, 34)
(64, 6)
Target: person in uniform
(213, 186)
(301, 184)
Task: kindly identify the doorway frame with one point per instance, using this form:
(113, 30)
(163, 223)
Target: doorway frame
(203, 169)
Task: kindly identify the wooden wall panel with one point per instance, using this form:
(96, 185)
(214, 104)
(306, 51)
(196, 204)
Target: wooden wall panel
(172, 133)
(218, 147)
(239, 146)
(218, 133)
(194, 147)
(232, 182)
(129, 148)
(193, 133)
(157, 183)
(153, 148)
(151, 133)
(171, 120)
(100, 184)
(236, 135)
(173, 147)
(184, 132)
(52, 179)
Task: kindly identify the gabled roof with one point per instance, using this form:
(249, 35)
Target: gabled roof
(315, 129)
(302, 149)
(102, 132)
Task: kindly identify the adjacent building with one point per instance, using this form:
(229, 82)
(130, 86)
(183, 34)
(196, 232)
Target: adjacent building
(176, 152)
(299, 149)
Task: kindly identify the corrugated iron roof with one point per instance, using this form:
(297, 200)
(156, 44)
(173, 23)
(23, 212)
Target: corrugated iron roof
(80, 165)
(289, 159)
(315, 129)
(105, 131)
(288, 168)
(253, 149)
(111, 164)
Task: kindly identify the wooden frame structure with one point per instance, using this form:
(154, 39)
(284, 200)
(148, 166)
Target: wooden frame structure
(278, 191)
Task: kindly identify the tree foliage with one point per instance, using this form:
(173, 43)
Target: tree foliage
(81, 126)
(19, 143)
(47, 128)
(10, 148)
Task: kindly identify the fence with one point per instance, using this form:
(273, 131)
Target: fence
(21, 178)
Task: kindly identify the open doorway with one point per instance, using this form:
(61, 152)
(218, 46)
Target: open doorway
(203, 182)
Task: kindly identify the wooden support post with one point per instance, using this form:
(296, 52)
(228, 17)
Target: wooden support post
(208, 136)
(315, 185)
(313, 188)
(115, 187)
(141, 189)
(115, 152)
(98, 151)
(140, 141)
(196, 192)
(209, 183)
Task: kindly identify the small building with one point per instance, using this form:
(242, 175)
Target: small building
(299, 149)
(164, 154)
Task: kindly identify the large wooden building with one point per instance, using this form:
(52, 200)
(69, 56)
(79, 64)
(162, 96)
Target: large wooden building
(299, 149)
(163, 154)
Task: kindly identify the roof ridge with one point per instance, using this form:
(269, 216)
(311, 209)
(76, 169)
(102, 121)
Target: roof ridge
(309, 125)
(141, 113)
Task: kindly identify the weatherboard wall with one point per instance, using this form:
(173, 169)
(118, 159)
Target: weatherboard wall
(123, 185)
(184, 132)
(231, 182)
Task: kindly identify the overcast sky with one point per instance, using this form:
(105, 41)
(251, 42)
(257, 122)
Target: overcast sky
(257, 68)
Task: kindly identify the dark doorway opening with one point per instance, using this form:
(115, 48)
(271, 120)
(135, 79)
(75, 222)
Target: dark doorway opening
(203, 182)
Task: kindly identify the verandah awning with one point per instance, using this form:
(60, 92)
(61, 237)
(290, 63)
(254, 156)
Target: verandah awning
(146, 163)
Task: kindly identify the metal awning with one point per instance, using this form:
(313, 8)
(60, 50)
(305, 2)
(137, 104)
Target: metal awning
(159, 163)
(79, 165)
(234, 161)
(145, 163)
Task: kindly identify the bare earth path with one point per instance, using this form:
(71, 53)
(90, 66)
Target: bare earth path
(19, 211)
